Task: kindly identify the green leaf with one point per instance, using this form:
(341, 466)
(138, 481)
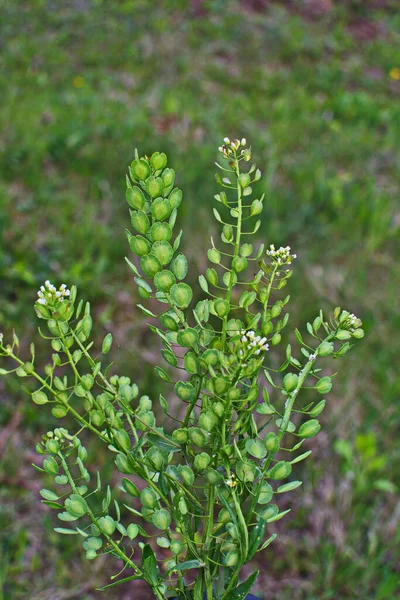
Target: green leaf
(255, 538)
(245, 587)
(124, 580)
(278, 516)
(185, 566)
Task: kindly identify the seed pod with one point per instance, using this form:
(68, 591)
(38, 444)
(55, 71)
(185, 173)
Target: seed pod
(107, 342)
(212, 276)
(168, 177)
(107, 525)
(122, 438)
(325, 349)
(246, 471)
(343, 334)
(160, 231)
(207, 421)
(239, 264)
(50, 465)
(39, 397)
(97, 418)
(218, 408)
(76, 506)
(233, 530)
(271, 442)
(132, 530)
(140, 221)
(270, 511)
(185, 391)
(130, 488)
(290, 382)
(231, 559)
(135, 198)
(214, 256)
(276, 339)
(176, 547)
(256, 448)
(220, 385)
(180, 266)
(52, 446)
(190, 362)
(180, 436)
(164, 280)
(358, 333)
(154, 186)
(163, 252)
(222, 307)
(181, 295)
(175, 197)
(155, 457)
(309, 428)
(148, 498)
(280, 470)
(233, 394)
(140, 169)
(187, 474)
(266, 494)
(160, 209)
(139, 245)
(167, 319)
(276, 310)
(87, 382)
(211, 357)
(213, 476)
(244, 180)
(150, 264)
(324, 385)
(158, 160)
(161, 519)
(227, 232)
(202, 460)
(198, 437)
(188, 338)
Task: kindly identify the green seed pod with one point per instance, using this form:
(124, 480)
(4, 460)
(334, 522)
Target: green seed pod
(266, 494)
(233, 394)
(244, 180)
(154, 186)
(158, 160)
(239, 264)
(175, 198)
(276, 339)
(56, 345)
(139, 245)
(180, 436)
(135, 198)
(150, 264)
(161, 519)
(270, 511)
(218, 408)
(213, 476)
(107, 525)
(232, 558)
(160, 232)
(276, 310)
(342, 334)
(256, 448)
(267, 327)
(176, 547)
(220, 385)
(223, 516)
(145, 403)
(52, 446)
(50, 465)
(271, 442)
(76, 506)
(211, 357)
(87, 382)
(160, 209)
(317, 410)
(214, 256)
(198, 437)
(358, 333)
(167, 320)
(290, 382)
(324, 385)
(190, 362)
(185, 391)
(227, 232)
(207, 420)
(280, 470)
(148, 498)
(59, 411)
(130, 488)
(97, 418)
(187, 474)
(180, 266)
(325, 349)
(222, 307)
(202, 460)
(164, 280)
(140, 169)
(122, 439)
(140, 221)
(132, 530)
(155, 457)
(233, 530)
(181, 295)
(309, 428)
(168, 177)
(124, 465)
(246, 471)
(163, 251)
(188, 338)
(107, 342)
(39, 397)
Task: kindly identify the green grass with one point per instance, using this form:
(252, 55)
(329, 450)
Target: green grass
(82, 85)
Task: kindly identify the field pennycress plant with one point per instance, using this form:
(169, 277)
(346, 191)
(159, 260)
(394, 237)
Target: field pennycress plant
(199, 491)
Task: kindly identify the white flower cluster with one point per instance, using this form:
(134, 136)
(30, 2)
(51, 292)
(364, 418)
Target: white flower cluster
(255, 343)
(351, 322)
(48, 293)
(282, 256)
(231, 146)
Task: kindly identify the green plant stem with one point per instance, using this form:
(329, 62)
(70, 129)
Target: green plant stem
(235, 254)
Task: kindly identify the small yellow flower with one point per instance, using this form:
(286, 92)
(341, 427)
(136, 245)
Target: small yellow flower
(395, 73)
(79, 82)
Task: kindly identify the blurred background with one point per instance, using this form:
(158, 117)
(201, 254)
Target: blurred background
(315, 86)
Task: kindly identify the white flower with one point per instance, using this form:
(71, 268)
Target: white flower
(48, 293)
(282, 256)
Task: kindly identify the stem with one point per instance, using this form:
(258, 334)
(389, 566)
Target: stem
(236, 252)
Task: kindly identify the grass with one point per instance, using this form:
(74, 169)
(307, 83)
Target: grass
(82, 85)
